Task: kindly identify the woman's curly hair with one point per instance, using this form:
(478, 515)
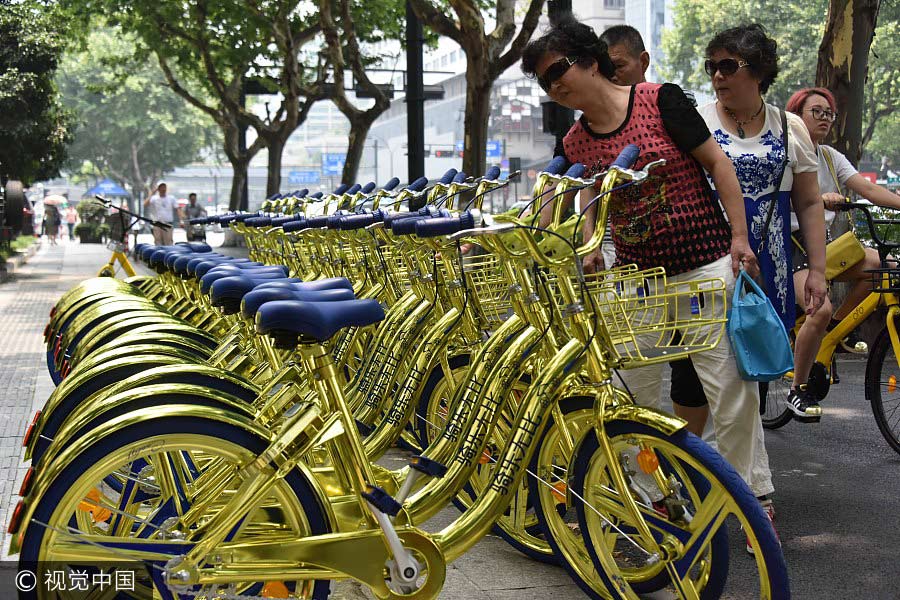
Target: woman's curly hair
(751, 43)
(572, 39)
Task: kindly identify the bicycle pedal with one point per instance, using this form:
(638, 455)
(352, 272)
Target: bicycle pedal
(381, 500)
(429, 467)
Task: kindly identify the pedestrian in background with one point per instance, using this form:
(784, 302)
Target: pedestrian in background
(162, 209)
(51, 223)
(71, 219)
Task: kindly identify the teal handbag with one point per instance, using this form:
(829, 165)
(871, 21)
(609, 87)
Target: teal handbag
(760, 342)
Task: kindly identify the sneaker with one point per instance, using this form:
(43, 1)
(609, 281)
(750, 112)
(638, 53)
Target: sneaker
(852, 344)
(804, 405)
(769, 508)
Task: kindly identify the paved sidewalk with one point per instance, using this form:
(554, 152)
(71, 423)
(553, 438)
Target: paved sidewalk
(25, 385)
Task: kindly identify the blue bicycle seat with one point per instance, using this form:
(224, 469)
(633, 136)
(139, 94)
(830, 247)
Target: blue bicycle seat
(256, 298)
(211, 277)
(308, 286)
(288, 320)
(203, 265)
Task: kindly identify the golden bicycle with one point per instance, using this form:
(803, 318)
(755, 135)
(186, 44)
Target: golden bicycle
(213, 500)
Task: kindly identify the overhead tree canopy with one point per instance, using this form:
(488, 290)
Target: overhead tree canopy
(488, 55)
(130, 125)
(211, 51)
(34, 128)
(346, 32)
(796, 26)
(799, 29)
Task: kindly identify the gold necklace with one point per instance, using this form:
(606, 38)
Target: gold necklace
(740, 124)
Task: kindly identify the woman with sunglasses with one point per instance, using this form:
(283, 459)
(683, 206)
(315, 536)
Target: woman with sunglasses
(816, 106)
(679, 226)
(742, 63)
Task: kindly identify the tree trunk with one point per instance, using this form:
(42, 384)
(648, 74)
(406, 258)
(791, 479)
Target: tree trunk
(478, 109)
(275, 146)
(843, 65)
(356, 141)
(239, 167)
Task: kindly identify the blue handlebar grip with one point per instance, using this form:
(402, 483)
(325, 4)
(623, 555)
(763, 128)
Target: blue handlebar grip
(448, 176)
(406, 226)
(575, 171)
(555, 166)
(297, 225)
(317, 195)
(444, 225)
(492, 174)
(367, 189)
(357, 221)
(317, 222)
(341, 189)
(418, 185)
(627, 157)
(460, 177)
(392, 218)
(391, 184)
(301, 193)
(353, 189)
(334, 221)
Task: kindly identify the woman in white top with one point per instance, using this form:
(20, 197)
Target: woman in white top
(742, 63)
(816, 106)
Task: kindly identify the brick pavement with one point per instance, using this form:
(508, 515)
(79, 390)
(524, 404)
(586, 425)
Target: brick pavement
(25, 385)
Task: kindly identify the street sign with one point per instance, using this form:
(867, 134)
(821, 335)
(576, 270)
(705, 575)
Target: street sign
(303, 177)
(333, 164)
(494, 148)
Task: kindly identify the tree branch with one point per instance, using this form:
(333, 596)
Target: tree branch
(176, 87)
(429, 14)
(529, 24)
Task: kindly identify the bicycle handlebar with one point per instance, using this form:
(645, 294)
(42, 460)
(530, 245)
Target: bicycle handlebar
(884, 247)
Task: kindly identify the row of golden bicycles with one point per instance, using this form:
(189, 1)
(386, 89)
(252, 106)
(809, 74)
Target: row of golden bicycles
(218, 427)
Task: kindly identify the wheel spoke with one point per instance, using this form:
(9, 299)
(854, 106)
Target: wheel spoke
(704, 525)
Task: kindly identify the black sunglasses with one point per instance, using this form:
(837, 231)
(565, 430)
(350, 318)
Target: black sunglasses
(555, 71)
(726, 66)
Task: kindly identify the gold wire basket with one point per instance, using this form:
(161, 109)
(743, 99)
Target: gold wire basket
(649, 319)
(489, 289)
(396, 265)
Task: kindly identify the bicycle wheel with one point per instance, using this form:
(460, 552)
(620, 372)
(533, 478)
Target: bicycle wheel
(80, 509)
(773, 402)
(704, 496)
(882, 373)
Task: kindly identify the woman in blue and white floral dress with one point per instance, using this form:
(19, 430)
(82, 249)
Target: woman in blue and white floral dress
(742, 63)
